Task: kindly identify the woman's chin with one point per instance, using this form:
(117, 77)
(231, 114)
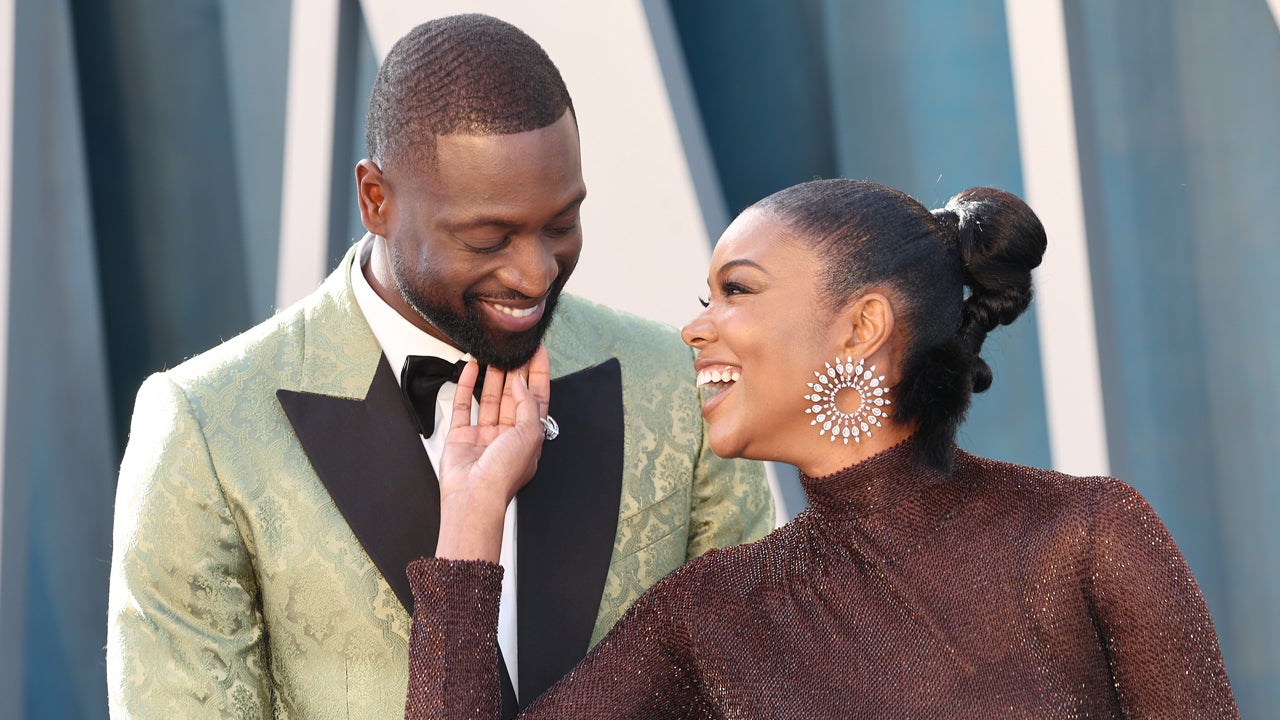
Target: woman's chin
(723, 444)
(734, 445)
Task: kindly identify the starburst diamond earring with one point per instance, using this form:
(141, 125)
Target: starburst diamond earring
(871, 400)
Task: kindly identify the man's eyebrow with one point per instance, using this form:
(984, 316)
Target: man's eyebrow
(502, 222)
(573, 204)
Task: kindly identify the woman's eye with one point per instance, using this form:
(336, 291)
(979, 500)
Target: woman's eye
(732, 288)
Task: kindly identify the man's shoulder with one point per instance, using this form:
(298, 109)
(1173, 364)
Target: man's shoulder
(586, 327)
(324, 329)
(577, 309)
(268, 338)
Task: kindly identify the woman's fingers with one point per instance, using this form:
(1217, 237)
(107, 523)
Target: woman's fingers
(510, 398)
(519, 406)
(462, 398)
(539, 373)
(491, 397)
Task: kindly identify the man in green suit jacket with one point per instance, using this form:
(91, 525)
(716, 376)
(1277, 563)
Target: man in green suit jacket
(275, 487)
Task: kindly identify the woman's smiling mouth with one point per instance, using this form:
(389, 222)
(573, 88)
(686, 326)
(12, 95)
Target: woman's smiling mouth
(716, 379)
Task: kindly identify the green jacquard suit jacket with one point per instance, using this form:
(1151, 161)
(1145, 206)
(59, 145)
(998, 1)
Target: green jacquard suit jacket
(274, 487)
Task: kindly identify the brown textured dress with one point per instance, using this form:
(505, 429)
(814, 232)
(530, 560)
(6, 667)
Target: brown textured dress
(997, 591)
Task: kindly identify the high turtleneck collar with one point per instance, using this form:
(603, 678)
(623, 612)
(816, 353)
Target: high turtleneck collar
(881, 481)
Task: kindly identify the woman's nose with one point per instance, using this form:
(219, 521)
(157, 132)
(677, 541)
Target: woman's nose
(698, 331)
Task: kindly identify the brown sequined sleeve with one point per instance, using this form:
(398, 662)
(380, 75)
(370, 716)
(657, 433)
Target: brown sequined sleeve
(1151, 617)
(641, 669)
(453, 644)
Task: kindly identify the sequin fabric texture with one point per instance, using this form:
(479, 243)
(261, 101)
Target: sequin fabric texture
(996, 591)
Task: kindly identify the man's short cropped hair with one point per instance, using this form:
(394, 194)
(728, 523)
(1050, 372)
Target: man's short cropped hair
(464, 74)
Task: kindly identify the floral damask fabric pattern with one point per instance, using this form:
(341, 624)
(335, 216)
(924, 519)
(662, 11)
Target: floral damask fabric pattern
(664, 518)
(237, 588)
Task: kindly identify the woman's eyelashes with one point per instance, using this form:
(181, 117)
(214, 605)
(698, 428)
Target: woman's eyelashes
(727, 289)
(734, 288)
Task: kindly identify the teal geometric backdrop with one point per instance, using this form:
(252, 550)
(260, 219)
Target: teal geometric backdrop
(147, 164)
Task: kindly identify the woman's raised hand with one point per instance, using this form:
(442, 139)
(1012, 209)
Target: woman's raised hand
(485, 464)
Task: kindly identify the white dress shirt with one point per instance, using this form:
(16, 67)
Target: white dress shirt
(399, 338)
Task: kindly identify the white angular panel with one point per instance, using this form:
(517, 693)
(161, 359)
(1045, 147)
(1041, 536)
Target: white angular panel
(308, 149)
(7, 47)
(1064, 291)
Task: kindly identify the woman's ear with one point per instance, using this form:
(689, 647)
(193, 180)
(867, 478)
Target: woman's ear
(373, 194)
(867, 325)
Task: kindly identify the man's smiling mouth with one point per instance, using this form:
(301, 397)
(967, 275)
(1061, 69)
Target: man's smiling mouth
(514, 312)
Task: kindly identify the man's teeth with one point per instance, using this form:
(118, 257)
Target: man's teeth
(706, 377)
(514, 312)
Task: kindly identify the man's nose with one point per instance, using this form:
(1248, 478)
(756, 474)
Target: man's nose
(533, 267)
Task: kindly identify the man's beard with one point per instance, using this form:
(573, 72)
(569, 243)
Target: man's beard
(467, 331)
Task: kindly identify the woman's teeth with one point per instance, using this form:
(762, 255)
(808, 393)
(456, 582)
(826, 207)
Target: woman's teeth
(717, 380)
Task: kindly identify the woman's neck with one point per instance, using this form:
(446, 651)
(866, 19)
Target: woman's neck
(884, 480)
(828, 457)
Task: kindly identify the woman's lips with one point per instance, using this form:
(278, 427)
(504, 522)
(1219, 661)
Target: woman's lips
(715, 381)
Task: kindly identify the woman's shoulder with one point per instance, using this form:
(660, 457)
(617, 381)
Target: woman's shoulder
(1033, 479)
(1093, 519)
(1044, 492)
(735, 570)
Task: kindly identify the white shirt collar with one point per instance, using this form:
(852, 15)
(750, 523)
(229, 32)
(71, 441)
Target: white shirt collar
(398, 337)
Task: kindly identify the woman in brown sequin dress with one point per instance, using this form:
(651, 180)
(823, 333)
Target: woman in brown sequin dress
(923, 582)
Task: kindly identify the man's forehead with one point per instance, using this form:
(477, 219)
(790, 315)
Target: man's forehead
(467, 147)
(548, 156)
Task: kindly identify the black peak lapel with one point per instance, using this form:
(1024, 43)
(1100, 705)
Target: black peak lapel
(370, 457)
(566, 523)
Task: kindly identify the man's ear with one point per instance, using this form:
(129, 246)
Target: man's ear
(868, 324)
(373, 194)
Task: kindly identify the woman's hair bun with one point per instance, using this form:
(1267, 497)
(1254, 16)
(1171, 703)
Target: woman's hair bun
(948, 217)
(1000, 241)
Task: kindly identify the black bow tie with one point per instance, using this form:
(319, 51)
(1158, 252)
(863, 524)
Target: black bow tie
(421, 379)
